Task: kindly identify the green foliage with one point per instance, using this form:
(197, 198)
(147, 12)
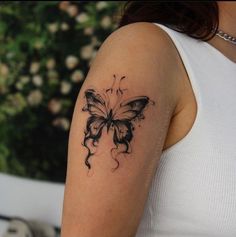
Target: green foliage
(45, 54)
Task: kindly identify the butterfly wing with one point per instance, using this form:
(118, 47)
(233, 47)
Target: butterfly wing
(131, 108)
(128, 110)
(123, 134)
(96, 104)
(94, 127)
(122, 131)
(97, 109)
(92, 133)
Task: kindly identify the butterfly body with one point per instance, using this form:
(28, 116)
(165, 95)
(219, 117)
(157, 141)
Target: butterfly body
(109, 120)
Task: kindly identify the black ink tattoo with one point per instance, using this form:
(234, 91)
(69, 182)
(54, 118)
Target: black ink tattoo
(107, 110)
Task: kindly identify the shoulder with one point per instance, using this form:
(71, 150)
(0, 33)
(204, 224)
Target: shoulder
(144, 51)
(144, 36)
(143, 31)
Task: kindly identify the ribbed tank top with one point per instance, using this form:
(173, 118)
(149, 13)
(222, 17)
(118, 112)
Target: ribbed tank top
(193, 191)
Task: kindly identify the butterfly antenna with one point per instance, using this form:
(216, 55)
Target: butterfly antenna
(152, 102)
(119, 89)
(113, 84)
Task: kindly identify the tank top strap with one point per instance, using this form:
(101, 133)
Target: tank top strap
(188, 51)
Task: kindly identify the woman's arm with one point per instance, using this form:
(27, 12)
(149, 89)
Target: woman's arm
(118, 130)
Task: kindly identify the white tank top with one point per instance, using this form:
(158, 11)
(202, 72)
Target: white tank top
(193, 192)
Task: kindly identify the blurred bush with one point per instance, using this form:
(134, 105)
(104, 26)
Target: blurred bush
(46, 50)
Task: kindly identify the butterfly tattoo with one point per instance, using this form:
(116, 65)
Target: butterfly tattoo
(109, 112)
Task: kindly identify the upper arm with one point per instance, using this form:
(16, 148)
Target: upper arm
(118, 132)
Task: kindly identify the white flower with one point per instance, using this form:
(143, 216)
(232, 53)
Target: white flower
(10, 55)
(72, 10)
(77, 76)
(82, 17)
(53, 27)
(16, 101)
(95, 41)
(65, 87)
(51, 63)
(52, 74)
(54, 106)
(88, 30)
(63, 5)
(53, 77)
(24, 79)
(37, 80)
(35, 97)
(86, 51)
(71, 61)
(34, 67)
(4, 70)
(92, 57)
(3, 89)
(38, 45)
(62, 123)
(106, 22)
(94, 54)
(101, 5)
(19, 85)
(65, 26)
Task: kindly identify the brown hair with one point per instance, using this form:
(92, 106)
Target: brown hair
(196, 19)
